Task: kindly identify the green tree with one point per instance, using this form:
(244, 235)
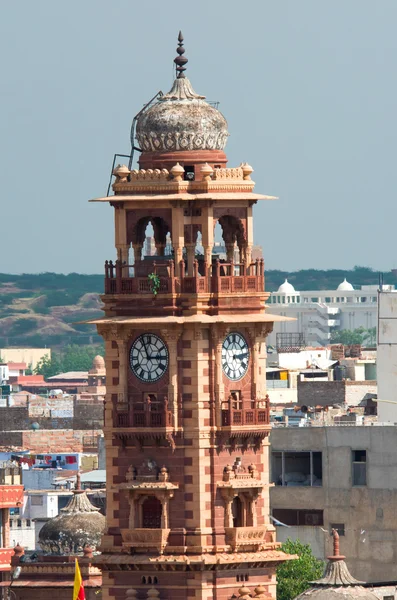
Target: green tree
(48, 366)
(294, 576)
(348, 337)
(79, 358)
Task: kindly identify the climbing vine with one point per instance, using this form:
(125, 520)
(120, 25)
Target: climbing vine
(154, 283)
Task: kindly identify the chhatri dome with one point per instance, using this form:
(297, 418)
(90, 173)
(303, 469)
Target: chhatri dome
(345, 286)
(181, 120)
(286, 288)
(337, 583)
(79, 524)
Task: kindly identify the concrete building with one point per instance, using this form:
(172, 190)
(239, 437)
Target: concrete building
(343, 477)
(317, 313)
(29, 356)
(387, 356)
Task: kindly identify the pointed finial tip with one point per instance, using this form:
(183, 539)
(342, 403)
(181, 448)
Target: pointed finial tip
(180, 60)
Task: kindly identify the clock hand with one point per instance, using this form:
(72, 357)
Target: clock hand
(145, 346)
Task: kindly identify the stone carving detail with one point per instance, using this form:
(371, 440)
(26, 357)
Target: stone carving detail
(232, 173)
(166, 142)
(149, 175)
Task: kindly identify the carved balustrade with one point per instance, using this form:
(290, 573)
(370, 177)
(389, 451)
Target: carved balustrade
(220, 278)
(146, 417)
(144, 539)
(257, 415)
(243, 539)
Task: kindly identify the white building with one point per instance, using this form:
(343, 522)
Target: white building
(387, 356)
(318, 313)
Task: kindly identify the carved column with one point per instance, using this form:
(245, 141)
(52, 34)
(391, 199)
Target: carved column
(230, 253)
(131, 520)
(137, 252)
(228, 496)
(190, 252)
(122, 253)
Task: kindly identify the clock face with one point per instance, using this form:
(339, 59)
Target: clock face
(149, 358)
(235, 356)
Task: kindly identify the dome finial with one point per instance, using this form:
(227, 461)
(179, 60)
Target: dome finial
(180, 60)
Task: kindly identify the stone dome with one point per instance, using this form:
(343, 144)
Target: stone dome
(78, 525)
(345, 286)
(337, 583)
(181, 120)
(98, 365)
(286, 288)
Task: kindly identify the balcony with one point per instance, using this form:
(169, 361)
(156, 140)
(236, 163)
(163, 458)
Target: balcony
(258, 415)
(220, 278)
(144, 540)
(144, 416)
(245, 539)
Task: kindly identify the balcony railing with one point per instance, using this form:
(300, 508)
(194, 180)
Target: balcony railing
(220, 278)
(245, 538)
(259, 415)
(145, 539)
(145, 418)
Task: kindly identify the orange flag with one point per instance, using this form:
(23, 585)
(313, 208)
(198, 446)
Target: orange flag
(78, 588)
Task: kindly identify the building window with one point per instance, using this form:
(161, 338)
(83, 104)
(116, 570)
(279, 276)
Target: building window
(297, 469)
(339, 527)
(19, 523)
(27, 522)
(327, 300)
(359, 467)
(314, 299)
(375, 299)
(299, 518)
(36, 500)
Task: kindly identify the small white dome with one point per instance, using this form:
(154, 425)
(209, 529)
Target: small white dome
(345, 286)
(286, 288)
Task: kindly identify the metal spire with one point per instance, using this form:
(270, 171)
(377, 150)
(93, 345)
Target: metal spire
(180, 60)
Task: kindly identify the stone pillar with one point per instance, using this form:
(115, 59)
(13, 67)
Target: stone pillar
(137, 252)
(131, 520)
(190, 251)
(230, 253)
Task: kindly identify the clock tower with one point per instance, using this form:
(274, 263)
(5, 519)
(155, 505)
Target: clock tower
(186, 412)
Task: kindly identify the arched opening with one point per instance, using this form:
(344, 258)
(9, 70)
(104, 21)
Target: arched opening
(237, 512)
(150, 237)
(230, 244)
(151, 513)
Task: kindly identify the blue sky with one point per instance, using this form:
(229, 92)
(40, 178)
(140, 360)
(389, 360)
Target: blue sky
(308, 88)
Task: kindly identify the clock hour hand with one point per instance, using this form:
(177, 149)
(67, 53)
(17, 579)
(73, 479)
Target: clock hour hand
(145, 346)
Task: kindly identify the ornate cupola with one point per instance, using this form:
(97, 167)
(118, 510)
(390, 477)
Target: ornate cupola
(181, 126)
(337, 583)
(187, 416)
(78, 525)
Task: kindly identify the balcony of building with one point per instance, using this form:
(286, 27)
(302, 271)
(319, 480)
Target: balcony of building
(145, 539)
(159, 282)
(150, 411)
(239, 412)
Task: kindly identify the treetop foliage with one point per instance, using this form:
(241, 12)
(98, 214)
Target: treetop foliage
(295, 576)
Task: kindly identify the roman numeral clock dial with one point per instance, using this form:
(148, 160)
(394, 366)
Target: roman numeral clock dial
(148, 358)
(235, 356)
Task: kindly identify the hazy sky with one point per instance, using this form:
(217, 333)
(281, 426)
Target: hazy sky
(308, 87)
